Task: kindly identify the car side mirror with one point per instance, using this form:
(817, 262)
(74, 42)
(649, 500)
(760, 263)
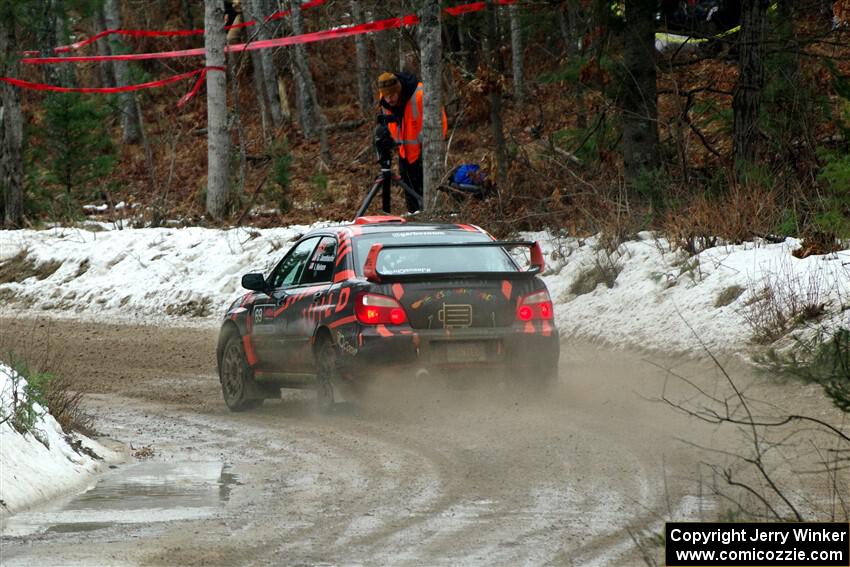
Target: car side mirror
(254, 282)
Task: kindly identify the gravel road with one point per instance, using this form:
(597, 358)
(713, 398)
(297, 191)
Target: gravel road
(416, 474)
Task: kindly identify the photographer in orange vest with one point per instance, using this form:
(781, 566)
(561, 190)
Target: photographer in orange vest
(401, 96)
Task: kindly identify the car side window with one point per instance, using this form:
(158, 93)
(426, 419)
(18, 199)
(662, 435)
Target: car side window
(320, 268)
(289, 271)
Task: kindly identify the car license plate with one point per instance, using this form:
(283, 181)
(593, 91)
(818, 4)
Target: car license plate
(466, 352)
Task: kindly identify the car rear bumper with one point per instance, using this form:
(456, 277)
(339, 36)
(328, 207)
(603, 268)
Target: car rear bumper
(533, 348)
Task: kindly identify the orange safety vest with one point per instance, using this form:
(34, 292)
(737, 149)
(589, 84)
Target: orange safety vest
(409, 135)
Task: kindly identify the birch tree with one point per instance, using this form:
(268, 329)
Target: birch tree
(218, 140)
(131, 119)
(11, 123)
(640, 100)
(517, 49)
(433, 147)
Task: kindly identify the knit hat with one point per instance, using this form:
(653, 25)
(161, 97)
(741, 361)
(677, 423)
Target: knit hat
(388, 84)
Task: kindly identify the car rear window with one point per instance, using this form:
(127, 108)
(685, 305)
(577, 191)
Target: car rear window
(433, 260)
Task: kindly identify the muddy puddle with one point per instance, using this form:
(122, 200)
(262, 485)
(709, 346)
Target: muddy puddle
(134, 493)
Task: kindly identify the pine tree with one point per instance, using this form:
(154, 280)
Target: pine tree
(74, 146)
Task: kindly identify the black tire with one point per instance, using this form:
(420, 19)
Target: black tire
(327, 374)
(237, 378)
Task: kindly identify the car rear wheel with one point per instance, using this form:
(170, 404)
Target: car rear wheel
(327, 375)
(237, 378)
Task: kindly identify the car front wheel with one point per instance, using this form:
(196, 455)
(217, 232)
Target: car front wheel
(237, 378)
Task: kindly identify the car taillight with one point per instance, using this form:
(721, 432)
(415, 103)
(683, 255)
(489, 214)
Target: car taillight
(372, 309)
(535, 306)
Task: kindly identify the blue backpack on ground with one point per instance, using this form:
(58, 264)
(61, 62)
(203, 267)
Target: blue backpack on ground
(468, 178)
(467, 174)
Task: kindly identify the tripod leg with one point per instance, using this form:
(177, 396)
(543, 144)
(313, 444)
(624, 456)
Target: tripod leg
(369, 196)
(409, 190)
(386, 196)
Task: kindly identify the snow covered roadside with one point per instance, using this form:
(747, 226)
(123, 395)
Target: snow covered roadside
(659, 300)
(669, 301)
(142, 275)
(42, 463)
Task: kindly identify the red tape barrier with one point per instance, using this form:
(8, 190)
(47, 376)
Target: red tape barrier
(175, 33)
(335, 33)
(202, 72)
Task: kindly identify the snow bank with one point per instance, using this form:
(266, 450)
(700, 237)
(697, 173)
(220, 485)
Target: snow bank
(668, 300)
(144, 273)
(41, 464)
(660, 299)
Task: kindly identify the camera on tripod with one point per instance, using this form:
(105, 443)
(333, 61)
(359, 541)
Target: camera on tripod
(384, 146)
(384, 142)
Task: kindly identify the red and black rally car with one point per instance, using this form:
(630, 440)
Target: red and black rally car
(382, 293)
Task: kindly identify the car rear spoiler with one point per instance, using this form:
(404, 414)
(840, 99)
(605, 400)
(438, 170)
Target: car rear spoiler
(370, 266)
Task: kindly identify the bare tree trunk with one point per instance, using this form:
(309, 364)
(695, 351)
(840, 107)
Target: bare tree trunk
(11, 127)
(746, 103)
(186, 14)
(468, 48)
(517, 49)
(271, 74)
(640, 99)
(433, 147)
(285, 109)
(48, 24)
(258, 10)
(218, 139)
(250, 11)
(131, 120)
(495, 94)
(312, 120)
(107, 77)
(238, 191)
(364, 73)
(791, 98)
(402, 11)
(574, 29)
(564, 25)
(260, 91)
(383, 42)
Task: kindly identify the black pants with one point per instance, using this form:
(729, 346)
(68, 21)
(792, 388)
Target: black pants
(411, 173)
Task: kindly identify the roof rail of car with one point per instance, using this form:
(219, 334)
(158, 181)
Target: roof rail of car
(378, 219)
